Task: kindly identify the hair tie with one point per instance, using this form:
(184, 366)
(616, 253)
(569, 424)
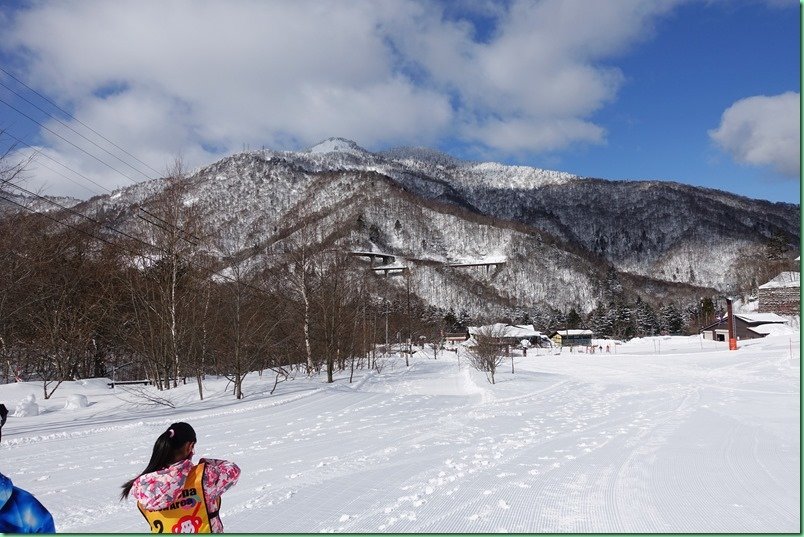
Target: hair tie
(171, 432)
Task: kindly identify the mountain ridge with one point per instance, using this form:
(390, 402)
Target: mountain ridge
(561, 234)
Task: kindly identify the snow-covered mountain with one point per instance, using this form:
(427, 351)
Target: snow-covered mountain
(554, 237)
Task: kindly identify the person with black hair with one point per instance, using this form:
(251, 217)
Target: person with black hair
(175, 495)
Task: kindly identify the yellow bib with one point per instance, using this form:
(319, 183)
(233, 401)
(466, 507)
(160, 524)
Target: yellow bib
(188, 514)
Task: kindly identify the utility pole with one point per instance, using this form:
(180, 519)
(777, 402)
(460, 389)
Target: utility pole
(732, 326)
(410, 333)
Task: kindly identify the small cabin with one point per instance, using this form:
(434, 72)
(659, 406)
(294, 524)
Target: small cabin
(455, 337)
(572, 337)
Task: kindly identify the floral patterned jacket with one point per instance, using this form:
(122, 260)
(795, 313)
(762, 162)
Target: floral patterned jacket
(159, 489)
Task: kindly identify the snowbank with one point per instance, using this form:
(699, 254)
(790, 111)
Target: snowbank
(75, 401)
(27, 407)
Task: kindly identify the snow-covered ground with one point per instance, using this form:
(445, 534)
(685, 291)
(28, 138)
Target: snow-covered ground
(670, 434)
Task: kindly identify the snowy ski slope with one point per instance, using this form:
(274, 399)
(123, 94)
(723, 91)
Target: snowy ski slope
(670, 434)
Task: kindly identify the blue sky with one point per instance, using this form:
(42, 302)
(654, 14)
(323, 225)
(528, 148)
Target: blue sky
(700, 92)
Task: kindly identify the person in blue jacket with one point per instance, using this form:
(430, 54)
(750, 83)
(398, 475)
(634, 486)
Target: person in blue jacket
(20, 512)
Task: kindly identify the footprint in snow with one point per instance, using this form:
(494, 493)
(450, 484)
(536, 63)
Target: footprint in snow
(503, 504)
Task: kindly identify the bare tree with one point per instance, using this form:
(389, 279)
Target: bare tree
(485, 354)
(296, 272)
(434, 335)
(338, 294)
(162, 293)
(22, 245)
(244, 312)
(12, 166)
(63, 321)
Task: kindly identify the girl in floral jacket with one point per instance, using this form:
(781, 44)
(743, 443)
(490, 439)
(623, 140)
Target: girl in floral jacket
(166, 490)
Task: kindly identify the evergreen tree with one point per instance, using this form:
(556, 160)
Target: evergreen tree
(645, 320)
(600, 321)
(670, 319)
(622, 321)
(521, 316)
(555, 319)
(612, 288)
(573, 319)
(707, 311)
(451, 321)
(464, 320)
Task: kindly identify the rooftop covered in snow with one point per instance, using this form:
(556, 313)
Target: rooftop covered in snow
(783, 279)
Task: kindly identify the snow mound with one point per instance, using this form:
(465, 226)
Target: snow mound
(75, 401)
(27, 407)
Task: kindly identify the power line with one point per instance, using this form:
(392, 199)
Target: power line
(210, 271)
(38, 151)
(54, 219)
(170, 225)
(23, 114)
(80, 215)
(92, 181)
(75, 131)
(68, 114)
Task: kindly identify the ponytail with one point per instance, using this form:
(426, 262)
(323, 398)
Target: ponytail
(164, 453)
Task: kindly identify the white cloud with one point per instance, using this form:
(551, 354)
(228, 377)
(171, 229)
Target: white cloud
(763, 131)
(204, 78)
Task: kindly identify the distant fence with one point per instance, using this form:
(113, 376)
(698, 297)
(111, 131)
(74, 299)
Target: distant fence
(146, 382)
(127, 382)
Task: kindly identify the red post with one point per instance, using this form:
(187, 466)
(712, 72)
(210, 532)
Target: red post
(732, 326)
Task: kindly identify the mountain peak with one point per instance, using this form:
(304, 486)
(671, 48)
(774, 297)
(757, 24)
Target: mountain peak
(340, 145)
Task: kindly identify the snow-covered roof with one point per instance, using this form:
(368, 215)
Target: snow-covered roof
(759, 317)
(505, 330)
(573, 332)
(784, 279)
(772, 328)
(522, 330)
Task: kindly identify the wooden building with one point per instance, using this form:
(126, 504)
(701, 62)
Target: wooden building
(748, 326)
(781, 295)
(571, 338)
(455, 337)
(512, 335)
